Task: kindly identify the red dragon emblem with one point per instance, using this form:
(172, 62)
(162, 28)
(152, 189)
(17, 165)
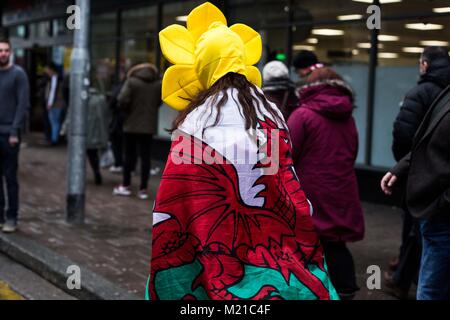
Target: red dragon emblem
(210, 223)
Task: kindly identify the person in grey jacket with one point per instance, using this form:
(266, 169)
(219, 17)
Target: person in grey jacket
(140, 99)
(14, 105)
(97, 131)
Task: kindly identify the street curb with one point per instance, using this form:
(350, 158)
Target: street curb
(52, 267)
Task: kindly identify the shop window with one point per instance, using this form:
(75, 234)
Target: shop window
(59, 28)
(39, 30)
(401, 44)
(19, 31)
(103, 51)
(172, 13)
(103, 62)
(19, 57)
(139, 36)
(103, 26)
(411, 7)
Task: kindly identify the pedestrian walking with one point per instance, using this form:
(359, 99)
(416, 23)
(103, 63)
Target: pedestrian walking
(228, 225)
(434, 67)
(426, 170)
(304, 63)
(55, 103)
(14, 97)
(116, 128)
(325, 147)
(140, 99)
(279, 88)
(97, 131)
(41, 87)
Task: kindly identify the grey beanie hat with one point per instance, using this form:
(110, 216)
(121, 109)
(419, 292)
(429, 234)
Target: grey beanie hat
(275, 70)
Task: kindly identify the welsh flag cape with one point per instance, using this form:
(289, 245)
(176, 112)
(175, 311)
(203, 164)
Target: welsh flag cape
(226, 227)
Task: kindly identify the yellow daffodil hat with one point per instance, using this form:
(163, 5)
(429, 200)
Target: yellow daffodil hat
(204, 52)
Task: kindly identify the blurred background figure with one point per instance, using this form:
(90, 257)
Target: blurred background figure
(14, 105)
(97, 131)
(116, 126)
(304, 63)
(55, 102)
(279, 88)
(325, 146)
(41, 88)
(140, 99)
(434, 68)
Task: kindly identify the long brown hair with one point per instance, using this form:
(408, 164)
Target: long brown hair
(250, 103)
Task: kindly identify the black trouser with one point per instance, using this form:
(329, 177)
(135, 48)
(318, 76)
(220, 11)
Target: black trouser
(94, 161)
(410, 253)
(116, 139)
(341, 267)
(9, 158)
(137, 144)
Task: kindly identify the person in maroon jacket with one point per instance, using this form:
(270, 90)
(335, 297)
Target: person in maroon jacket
(325, 146)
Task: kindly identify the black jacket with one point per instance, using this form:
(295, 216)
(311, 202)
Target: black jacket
(427, 166)
(416, 104)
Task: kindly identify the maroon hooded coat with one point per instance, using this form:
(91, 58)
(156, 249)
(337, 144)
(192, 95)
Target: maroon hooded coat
(325, 146)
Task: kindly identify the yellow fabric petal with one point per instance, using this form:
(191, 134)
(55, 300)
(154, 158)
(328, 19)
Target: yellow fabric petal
(254, 76)
(218, 51)
(180, 85)
(252, 41)
(201, 17)
(177, 44)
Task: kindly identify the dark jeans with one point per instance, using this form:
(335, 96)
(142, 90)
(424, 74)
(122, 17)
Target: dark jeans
(137, 144)
(434, 277)
(410, 253)
(47, 126)
(341, 267)
(116, 139)
(9, 157)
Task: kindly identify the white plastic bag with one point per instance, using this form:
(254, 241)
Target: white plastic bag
(107, 157)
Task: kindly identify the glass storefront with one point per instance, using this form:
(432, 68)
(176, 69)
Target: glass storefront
(398, 72)
(103, 50)
(339, 49)
(138, 36)
(127, 34)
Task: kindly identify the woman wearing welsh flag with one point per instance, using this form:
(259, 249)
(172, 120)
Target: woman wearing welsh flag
(230, 219)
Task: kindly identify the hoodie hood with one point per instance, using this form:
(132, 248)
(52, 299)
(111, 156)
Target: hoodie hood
(331, 98)
(438, 73)
(276, 84)
(145, 72)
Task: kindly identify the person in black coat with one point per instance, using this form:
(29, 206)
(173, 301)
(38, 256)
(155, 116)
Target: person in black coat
(435, 76)
(427, 172)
